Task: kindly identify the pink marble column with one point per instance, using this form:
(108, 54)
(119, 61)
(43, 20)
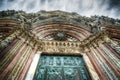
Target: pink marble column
(12, 63)
(108, 61)
(97, 68)
(112, 50)
(26, 67)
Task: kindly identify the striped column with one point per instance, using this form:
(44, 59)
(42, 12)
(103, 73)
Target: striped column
(96, 66)
(13, 62)
(3, 52)
(115, 60)
(10, 54)
(113, 46)
(104, 66)
(33, 67)
(90, 68)
(26, 67)
(18, 66)
(108, 61)
(112, 50)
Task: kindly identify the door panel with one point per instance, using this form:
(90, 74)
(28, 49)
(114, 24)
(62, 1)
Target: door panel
(61, 68)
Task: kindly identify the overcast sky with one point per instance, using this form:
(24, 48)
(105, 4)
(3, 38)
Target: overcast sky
(109, 8)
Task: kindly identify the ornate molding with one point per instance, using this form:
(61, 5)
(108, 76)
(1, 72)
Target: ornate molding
(25, 21)
(62, 47)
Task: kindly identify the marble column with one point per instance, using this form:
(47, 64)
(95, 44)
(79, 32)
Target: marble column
(107, 61)
(10, 55)
(96, 66)
(4, 51)
(12, 63)
(112, 50)
(92, 71)
(20, 63)
(109, 74)
(28, 63)
(32, 69)
(115, 60)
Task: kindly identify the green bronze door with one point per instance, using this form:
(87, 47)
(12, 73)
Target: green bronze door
(61, 68)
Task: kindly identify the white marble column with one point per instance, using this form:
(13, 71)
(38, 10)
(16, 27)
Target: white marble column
(33, 66)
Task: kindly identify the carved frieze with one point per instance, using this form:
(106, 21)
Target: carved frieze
(62, 50)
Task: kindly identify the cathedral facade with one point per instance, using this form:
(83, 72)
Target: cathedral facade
(57, 45)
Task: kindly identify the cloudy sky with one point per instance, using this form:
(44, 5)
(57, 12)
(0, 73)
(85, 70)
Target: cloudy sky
(88, 8)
